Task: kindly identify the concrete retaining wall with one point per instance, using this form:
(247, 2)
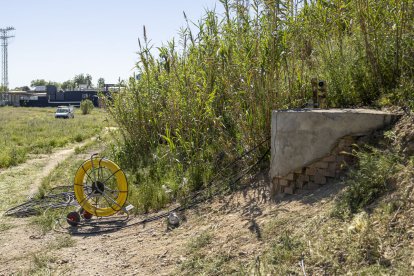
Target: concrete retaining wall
(309, 146)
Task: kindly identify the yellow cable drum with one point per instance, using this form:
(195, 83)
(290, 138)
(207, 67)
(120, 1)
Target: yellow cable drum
(100, 186)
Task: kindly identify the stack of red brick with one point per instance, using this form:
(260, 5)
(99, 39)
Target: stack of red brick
(318, 173)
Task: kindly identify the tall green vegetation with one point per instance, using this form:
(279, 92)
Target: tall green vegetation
(208, 96)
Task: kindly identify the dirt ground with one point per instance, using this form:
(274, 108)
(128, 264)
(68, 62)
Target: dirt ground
(236, 222)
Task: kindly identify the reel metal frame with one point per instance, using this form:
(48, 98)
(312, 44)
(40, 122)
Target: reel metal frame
(101, 190)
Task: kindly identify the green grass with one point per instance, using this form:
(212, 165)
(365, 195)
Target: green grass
(47, 220)
(5, 226)
(25, 131)
(13, 185)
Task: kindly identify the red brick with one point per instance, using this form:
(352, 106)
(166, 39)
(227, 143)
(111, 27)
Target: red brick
(303, 178)
(275, 189)
(299, 184)
(299, 191)
(289, 190)
(329, 158)
(320, 179)
(346, 141)
(320, 165)
(311, 171)
(335, 151)
(290, 176)
(326, 172)
(283, 182)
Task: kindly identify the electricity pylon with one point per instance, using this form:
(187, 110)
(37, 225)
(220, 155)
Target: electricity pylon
(4, 64)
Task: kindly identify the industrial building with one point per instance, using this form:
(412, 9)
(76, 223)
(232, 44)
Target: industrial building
(48, 95)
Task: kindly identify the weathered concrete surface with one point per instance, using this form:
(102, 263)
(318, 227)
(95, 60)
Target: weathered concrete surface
(300, 137)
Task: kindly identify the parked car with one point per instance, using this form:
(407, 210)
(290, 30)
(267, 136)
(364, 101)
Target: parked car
(65, 112)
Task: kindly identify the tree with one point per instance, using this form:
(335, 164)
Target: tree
(38, 82)
(79, 79)
(101, 83)
(22, 88)
(55, 83)
(88, 80)
(69, 84)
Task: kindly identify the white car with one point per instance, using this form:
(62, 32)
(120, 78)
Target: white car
(65, 112)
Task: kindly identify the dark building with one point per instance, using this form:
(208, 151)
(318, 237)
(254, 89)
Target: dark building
(53, 97)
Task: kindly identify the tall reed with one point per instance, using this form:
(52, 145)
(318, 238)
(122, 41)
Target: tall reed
(208, 95)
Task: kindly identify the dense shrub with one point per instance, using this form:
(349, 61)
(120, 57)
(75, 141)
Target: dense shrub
(86, 106)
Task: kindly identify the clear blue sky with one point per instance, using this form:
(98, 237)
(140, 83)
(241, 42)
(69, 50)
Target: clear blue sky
(56, 39)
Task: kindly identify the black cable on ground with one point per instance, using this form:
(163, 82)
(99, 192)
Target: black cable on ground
(36, 206)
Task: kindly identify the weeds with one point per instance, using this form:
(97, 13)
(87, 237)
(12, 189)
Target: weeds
(370, 180)
(201, 261)
(283, 255)
(5, 226)
(40, 264)
(47, 220)
(62, 242)
(200, 241)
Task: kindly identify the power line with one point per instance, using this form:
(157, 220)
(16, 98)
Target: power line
(4, 65)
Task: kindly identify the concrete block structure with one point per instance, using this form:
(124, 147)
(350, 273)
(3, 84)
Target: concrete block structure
(311, 146)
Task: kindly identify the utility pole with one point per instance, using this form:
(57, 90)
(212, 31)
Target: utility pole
(4, 64)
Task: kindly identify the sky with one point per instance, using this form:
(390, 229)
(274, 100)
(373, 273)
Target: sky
(57, 39)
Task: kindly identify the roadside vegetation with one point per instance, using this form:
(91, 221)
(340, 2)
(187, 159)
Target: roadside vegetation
(204, 98)
(26, 131)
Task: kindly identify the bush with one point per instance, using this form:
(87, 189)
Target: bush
(86, 106)
(368, 181)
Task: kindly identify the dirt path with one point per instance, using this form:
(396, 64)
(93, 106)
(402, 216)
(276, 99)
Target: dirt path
(53, 161)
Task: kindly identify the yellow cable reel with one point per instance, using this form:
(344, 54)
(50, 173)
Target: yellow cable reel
(101, 187)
